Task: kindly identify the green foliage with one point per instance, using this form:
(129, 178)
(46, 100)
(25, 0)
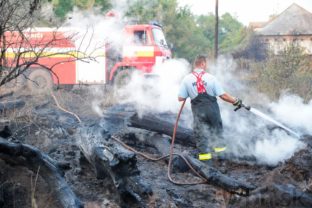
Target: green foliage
(84, 4)
(207, 25)
(231, 33)
(189, 34)
(179, 24)
(147, 10)
(62, 7)
(288, 71)
(186, 36)
(103, 4)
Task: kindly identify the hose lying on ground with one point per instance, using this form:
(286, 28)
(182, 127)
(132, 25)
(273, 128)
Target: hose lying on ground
(170, 155)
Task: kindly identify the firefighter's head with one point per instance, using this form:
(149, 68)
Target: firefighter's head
(200, 62)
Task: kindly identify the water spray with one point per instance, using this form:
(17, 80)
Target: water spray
(268, 118)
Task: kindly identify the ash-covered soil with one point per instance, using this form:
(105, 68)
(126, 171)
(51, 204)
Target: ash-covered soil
(41, 123)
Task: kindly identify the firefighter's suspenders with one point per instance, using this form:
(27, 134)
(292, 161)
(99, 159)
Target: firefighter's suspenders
(199, 82)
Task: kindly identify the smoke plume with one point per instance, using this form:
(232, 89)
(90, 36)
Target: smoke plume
(245, 133)
(159, 92)
(93, 33)
(251, 135)
(292, 110)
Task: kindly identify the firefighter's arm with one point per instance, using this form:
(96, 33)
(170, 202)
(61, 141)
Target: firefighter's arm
(183, 94)
(228, 98)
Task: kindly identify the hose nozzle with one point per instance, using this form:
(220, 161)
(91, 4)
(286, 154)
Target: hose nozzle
(242, 105)
(247, 107)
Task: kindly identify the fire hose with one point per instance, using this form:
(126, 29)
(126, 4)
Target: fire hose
(172, 152)
(170, 155)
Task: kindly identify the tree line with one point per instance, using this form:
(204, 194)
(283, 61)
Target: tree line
(188, 33)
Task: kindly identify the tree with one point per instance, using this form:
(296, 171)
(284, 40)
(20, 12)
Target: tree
(187, 36)
(190, 34)
(231, 31)
(63, 7)
(103, 4)
(15, 16)
(289, 70)
(216, 36)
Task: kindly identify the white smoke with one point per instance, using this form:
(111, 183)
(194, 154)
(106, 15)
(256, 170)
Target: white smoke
(93, 31)
(278, 147)
(292, 110)
(121, 6)
(250, 135)
(158, 93)
(245, 133)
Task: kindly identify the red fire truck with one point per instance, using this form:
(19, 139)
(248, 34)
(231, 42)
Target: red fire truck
(146, 46)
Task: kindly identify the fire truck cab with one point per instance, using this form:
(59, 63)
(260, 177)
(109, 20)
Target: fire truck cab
(144, 47)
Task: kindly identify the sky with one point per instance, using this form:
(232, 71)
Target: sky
(245, 10)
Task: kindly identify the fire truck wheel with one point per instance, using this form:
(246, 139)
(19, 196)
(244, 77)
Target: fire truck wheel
(122, 78)
(40, 81)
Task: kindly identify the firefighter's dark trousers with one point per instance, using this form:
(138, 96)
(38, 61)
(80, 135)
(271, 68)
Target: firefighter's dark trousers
(207, 125)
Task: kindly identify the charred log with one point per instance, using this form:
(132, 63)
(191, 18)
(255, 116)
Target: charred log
(120, 166)
(6, 95)
(121, 116)
(275, 195)
(145, 141)
(111, 160)
(307, 139)
(153, 123)
(289, 193)
(216, 178)
(213, 176)
(11, 105)
(279, 192)
(5, 132)
(32, 158)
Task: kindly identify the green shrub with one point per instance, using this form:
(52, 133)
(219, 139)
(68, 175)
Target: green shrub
(289, 70)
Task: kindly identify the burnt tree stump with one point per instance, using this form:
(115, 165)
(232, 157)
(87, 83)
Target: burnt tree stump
(33, 158)
(112, 160)
(11, 105)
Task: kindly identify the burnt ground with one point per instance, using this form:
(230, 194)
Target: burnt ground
(42, 124)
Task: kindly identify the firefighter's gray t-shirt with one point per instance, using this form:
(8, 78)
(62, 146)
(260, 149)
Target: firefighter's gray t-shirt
(188, 85)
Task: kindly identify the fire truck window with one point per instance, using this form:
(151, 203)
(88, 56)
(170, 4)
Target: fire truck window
(159, 37)
(140, 37)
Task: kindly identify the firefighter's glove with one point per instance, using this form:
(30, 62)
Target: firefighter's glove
(238, 104)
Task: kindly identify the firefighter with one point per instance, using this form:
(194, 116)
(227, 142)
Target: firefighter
(203, 88)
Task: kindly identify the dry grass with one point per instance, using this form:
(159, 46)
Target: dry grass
(33, 190)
